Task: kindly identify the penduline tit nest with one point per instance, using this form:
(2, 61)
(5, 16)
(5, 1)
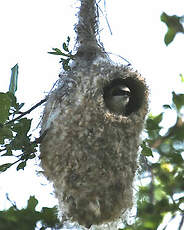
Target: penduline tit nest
(91, 124)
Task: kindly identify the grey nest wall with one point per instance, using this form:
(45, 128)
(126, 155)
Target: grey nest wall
(90, 152)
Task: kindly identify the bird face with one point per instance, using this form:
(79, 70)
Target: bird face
(118, 99)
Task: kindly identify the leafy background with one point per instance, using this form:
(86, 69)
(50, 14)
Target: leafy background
(161, 190)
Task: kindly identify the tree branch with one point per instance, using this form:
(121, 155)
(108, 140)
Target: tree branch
(28, 111)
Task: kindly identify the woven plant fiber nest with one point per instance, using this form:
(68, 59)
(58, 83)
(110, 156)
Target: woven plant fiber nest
(89, 152)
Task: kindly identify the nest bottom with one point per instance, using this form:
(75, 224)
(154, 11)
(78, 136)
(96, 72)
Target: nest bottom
(94, 205)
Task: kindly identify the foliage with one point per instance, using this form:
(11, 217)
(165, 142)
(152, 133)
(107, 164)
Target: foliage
(66, 55)
(28, 218)
(15, 140)
(174, 24)
(163, 192)
(14, 79)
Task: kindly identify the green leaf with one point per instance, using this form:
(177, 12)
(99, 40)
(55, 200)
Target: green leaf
(5, 133)
(4, 167)
(179, 133)
(65, 63)
(174, 26)
(54, 53)
(169, 37)
(166, 106)
(157, 119)
(5, 103)
(172, 21)
(22, 165)
(8, 152)
(66, 56)
(22, 127)
(178, 100)
(13, 99)
(153, 122)
(65, 47)
(32, 156)
(14, 79)
(57, 52)
(49, 217)
(62, 60)
(32, 203)
(68, 40)
(20, 106)
(146, 150)
(181, 77)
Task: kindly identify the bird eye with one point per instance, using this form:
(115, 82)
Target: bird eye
(120, 90)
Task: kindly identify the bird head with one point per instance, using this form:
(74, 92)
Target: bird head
(117, 99)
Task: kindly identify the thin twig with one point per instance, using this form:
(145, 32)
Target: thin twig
(181, 222)
(105, 15)
(12, 202)
(28, 111)
(120, 57)
(172, 218)
(1, 150)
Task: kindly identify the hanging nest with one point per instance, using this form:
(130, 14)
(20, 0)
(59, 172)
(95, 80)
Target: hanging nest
(89, 149)
(89, 152)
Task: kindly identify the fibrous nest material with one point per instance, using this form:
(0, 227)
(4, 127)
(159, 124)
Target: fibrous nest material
(88, 152)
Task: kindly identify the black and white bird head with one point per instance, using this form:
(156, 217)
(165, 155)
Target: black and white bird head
(117, 99)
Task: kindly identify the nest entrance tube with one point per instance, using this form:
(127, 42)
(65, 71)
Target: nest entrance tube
(137, 92)
(90, 152)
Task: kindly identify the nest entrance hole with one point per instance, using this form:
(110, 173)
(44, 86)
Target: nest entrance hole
(137, 92)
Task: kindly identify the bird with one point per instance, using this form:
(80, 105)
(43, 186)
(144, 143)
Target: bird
(118, 98)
